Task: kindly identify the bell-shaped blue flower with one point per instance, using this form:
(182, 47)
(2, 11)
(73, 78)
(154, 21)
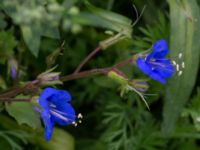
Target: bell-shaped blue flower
(155, 65)
(55, 108)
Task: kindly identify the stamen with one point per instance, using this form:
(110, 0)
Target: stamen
(157, 65)
(180, 55)
(62, 113)
(37, 109)
(180, 73)
(52, 105)
(74, 123)
(177, 67)
(173, 62)
(60, 116)
(176, 62)
(167, 69)
(80, 116)
(183, 64)
(198, 119)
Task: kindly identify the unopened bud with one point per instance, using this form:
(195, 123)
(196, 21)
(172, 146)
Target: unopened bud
(13, 68)
(117, 77)
(115, 38)
(49, 78)
(140, 85)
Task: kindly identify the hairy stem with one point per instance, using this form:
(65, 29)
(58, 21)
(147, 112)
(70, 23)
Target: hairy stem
(18, 90)
(96, 50)
(15, 100)
(85, 74)
(6, 96)
(95, 71)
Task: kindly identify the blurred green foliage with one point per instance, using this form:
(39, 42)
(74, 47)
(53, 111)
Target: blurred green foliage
(42, 34)
(186, 36)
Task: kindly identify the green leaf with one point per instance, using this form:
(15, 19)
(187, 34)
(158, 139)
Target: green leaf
(31, 36)
(3, 23)
(51, 32)
(193, 111)
(60, 140)
(185, 35)
(24, 114)
(108, 14)
(90, 144)
(103, 18)
(35, 20)
(104, 82)
(7, 43)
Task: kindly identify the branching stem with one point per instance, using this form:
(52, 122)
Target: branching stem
(32, 86)
(95, 71)
(95, 51)
(15, 99)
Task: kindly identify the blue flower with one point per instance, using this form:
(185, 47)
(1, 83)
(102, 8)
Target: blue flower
(55, 108)
(155, 64)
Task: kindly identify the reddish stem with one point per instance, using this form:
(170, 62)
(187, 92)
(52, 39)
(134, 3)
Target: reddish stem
(122, 63)
(17, 90)
(95, 71)
(30, 86)
(84, 61)
(14, 100)
(85, 74)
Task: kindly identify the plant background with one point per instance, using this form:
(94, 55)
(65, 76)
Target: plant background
(32, 32)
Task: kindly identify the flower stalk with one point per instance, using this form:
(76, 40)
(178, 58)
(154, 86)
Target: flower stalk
(95, 51)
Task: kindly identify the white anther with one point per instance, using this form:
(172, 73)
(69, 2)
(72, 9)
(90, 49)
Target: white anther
(183, 65)
(177, 67)
(180, 55)
(173, 62)
(52, 105)
(180, 73)
(80, 116)
(80, 121)
(75, 124)
(198, 119)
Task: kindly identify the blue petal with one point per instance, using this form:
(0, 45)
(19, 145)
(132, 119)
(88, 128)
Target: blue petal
(59, 97)
(67, 112)
(45, 94)
(156, 76)
(52, 100)
(159, 50)
(48, 124)
(143, 66)
(166, 70)
(13, 72)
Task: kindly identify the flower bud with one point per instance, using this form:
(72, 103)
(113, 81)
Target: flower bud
(114, 39)
(139, 84)
(48, 78)
(117, 77)
(13, 67)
